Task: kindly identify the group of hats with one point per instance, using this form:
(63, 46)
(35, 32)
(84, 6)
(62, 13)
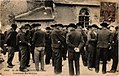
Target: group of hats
(72, 25)
(35, 25)
(61, 25)
(56, 25)
(104, 24)
(26, 26)
(93, 25)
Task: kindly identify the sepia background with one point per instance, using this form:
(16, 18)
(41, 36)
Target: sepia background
(49, 12)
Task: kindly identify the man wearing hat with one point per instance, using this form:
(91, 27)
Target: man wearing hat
(83, 50)
(48, 48)
(32, 31)
(103, 45)
(57, 43)
(28, 36)
(114, 52)
(53, 27)
(23, 44)
(64, 49)
(11, 43)
(91, 46)
(75, 43)
(38, 41)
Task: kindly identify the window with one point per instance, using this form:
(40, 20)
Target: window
(84, 17)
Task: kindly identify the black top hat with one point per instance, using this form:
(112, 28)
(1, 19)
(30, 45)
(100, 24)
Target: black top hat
(72, 25)
(14, 25)
(104, 24)
(48, 28)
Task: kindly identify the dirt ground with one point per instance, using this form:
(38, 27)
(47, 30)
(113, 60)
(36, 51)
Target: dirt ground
(4, 71)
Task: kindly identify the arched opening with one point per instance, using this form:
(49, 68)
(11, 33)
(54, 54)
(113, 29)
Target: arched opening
(84, 17)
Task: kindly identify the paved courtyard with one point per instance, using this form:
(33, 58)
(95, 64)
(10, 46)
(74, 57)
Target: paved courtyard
(4, 71)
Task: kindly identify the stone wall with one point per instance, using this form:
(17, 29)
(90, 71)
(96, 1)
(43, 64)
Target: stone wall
(65, 14)
(69, 14)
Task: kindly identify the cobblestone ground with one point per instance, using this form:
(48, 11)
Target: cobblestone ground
(4, 71)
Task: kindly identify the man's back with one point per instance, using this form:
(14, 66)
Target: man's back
(57, 38)
(75, 39)
(39, 38)
(104, 38)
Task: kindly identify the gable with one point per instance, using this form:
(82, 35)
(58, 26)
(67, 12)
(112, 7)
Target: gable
(41, 13)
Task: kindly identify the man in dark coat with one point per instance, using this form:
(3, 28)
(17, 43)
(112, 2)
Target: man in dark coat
(64, 47)
(114, 51)
(23, 43)
(91, 46)
(28, 35)
(83, 50)
(53, 27)
(2, 47)
(57, 42)
(75, 42)
(11, 43)
(32, 45)
(103, 45)
(38, 41)
(48, 48)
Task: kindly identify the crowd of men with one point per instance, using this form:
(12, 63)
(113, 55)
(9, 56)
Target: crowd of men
(94, 44)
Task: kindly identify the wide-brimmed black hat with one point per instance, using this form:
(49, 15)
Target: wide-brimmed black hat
(48, 28)
(27, 26)
(35, 25)
(60, 25)
(72, 25)
(104, 24)
(65, 26)
(55, 25)
(94, 25)
(14, 25)
(89, 26)
(51, 25)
